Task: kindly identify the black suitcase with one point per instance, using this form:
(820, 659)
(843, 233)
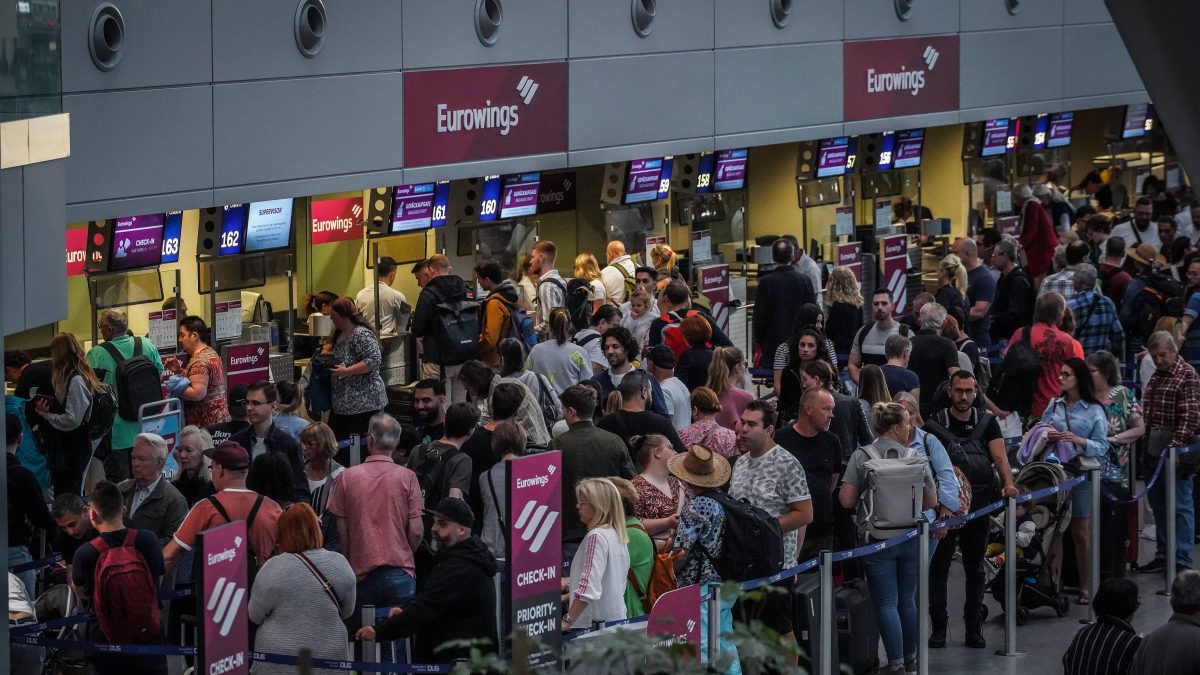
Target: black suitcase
(806, 620)
(858, 634)
(1114, 540)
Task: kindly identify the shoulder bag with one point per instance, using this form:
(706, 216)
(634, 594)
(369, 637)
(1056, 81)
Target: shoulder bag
(325, 585)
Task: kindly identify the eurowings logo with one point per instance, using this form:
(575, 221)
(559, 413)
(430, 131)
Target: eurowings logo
(356, 210)
(931, 57)
(527, 88)
(691, 625)
(227, 599)
(534, 523)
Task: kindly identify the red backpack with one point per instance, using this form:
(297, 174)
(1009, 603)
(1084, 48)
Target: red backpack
(672, 333)
(126, 596)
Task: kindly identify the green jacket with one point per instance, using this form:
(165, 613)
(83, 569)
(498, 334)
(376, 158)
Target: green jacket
(100, 360)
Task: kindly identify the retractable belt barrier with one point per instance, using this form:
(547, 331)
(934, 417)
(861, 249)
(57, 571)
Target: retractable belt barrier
(1158, 469)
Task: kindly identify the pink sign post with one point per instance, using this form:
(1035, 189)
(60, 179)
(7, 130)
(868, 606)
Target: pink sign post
(895, 270)
(850, 256)
(247, 364)
(224, 595)
(714, 285)
(535, 553)
(676, 617)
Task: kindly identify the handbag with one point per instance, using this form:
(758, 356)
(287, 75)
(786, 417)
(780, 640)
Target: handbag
(328, 587)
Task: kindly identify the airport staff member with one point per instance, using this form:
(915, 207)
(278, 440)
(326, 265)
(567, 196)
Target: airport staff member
(393, 306)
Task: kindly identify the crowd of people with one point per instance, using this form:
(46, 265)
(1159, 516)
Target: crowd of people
(668, 448)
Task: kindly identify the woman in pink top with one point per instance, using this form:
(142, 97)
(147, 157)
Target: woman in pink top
(704, 429)
(725, 373)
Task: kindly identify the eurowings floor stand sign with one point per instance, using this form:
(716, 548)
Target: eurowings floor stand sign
(895, 270)
(224, 597)
(535, 553)
(676, 618)
(714, 285)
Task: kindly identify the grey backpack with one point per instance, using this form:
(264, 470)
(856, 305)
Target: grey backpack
(895, 487)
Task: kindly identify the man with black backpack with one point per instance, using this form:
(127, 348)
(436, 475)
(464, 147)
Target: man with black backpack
(117, 575)
(976, 446)
(551, 288)
(871, 339)
(1148, 296)
(132, 367)
(446, 321)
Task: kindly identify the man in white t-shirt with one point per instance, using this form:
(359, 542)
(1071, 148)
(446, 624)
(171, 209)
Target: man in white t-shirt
(620, 267)
(551, 288)
(1140, 230)
(661, 364)
(392, 315)
(871, 339)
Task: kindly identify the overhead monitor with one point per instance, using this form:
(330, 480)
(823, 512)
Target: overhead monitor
(233, 223)
(730, 170)
(520, 195)
(136, 242)
(441, 200)
(642, 180)
(172, 233)
(489, 202)
(836, 156)
(269, 226)
(412, 207)
(664, 181)
(1060, 129)
(887, 151)
(910, 144)
(1139, 120)
(704, 173)
(999, 137)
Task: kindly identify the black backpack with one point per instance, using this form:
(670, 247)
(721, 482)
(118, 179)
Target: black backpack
(1154, 302)
(252, 559)
(1013, 382)
(136, 378)
(579, 304)
(431, 473)
(861, 335)
(102, 412)
(751, 541)
(456, 331)
(970, 453)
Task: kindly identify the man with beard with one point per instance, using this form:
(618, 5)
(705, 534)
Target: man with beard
(871, 340)
(455, 599)
(429, 413)
(619, 348)
(1139, 230)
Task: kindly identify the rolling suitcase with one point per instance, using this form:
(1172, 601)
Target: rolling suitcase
(857, 632)
(806, 620)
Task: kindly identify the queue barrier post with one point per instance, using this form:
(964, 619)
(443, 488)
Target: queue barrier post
(923, 600)
(370, 648)
(1094, 547)
(1172, 455)
(355, 450)
(304, 661)
(828, 667)
(1010, 580)
(714, 623)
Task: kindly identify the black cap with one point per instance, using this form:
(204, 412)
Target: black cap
(453, 509)
(662, 356)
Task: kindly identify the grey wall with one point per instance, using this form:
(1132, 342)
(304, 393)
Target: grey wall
(33, 267)
(213, 103)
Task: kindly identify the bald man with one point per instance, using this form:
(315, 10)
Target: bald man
(619, 274)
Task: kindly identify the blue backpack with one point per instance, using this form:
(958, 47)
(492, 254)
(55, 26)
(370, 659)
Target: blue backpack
(520, 323)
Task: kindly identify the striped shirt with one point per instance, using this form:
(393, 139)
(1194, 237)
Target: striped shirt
(1105, 647)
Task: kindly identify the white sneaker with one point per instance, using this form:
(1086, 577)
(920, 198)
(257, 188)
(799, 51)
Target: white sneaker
(1148, 533)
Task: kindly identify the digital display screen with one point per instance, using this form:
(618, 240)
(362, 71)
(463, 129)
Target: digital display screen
(836, 156)
(704, 173)
(664, 183)
(999, 137)
(887, 151)
(1139, 120)
(412, 207)
(489, 204)
(1060, 129)
(137, 242)
(441, 199)
(232, 222)
(520, 194)
(641, 184)
(731, 169)
(172, 232)
(909, 146)
(269, 225)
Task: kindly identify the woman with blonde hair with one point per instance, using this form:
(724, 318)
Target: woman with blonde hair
(600, 567)
(704, 429)
(952, 283)
(301, 593)
(194, 480)
(526, 283)
(725, 375)
(319, 446)
(66, 444)
(664, 262)
(586, 267)
(845, 302)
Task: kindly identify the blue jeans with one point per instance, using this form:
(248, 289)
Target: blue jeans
(1185, 518)
(383, 587)
(16, 556)
(892, 577)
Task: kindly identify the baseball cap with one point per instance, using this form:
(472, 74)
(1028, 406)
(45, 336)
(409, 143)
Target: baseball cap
(455, 510)
(229, 454)
(662, 356)
(236, 398)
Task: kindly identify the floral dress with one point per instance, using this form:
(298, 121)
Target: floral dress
(213, 409)
(1122, 411)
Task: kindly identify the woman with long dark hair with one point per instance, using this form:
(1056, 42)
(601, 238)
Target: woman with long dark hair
(803, 348)
(68, 449)
(358, 390)
(1079, 418)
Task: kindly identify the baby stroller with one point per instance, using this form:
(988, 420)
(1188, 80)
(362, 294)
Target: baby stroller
(57, 603)
(1038, 585)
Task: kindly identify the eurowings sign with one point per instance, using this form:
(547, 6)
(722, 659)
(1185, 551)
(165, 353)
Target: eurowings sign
(899, 76)
(224, 597)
